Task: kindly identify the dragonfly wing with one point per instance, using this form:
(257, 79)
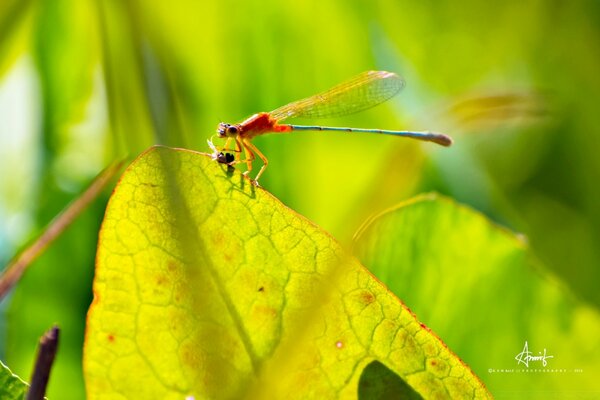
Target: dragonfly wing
(364, 91)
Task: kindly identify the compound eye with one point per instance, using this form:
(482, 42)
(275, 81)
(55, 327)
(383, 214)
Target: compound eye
(232, 130)
(222, 129)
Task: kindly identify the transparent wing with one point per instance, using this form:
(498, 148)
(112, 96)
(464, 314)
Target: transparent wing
(357, 94)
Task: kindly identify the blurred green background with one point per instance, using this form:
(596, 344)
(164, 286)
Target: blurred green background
(82, 83)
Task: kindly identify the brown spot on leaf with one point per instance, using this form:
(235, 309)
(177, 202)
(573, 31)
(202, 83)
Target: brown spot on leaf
(218, 238)
(265, 312)
(367, 297)
(191, 356)
(111, 337)
(172, 266)
(261, 289)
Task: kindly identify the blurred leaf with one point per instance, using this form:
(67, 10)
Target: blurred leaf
(208, 286)
(123, 49)
(67, 55)
(482, 112)
(479, 290)
(11, 386)
(15, 24)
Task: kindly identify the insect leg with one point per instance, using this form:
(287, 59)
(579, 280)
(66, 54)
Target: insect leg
(253, 149)
(249, 155)
(238, 149)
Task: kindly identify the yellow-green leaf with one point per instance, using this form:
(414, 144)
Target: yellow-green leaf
(481, 290)
(207, 286)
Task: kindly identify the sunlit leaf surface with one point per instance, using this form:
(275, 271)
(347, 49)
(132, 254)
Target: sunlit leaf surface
(478, 287)
(209, 287)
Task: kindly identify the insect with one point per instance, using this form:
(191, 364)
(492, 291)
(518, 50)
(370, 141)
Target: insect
(357, 94)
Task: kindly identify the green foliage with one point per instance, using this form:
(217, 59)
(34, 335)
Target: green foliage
(11, 386)
(209, 287)
(514, 82)
(487, 282)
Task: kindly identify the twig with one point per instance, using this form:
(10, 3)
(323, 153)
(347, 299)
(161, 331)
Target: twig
(43, 364)
(12, 273)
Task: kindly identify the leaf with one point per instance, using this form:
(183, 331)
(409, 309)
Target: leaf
(132, 126)
(15, 25)
(378, 382)
(209, 287)
(11, 386)
(481, 290)
(67, 52)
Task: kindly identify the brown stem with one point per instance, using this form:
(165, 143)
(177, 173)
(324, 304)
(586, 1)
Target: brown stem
(43, 364)
(12, 273)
